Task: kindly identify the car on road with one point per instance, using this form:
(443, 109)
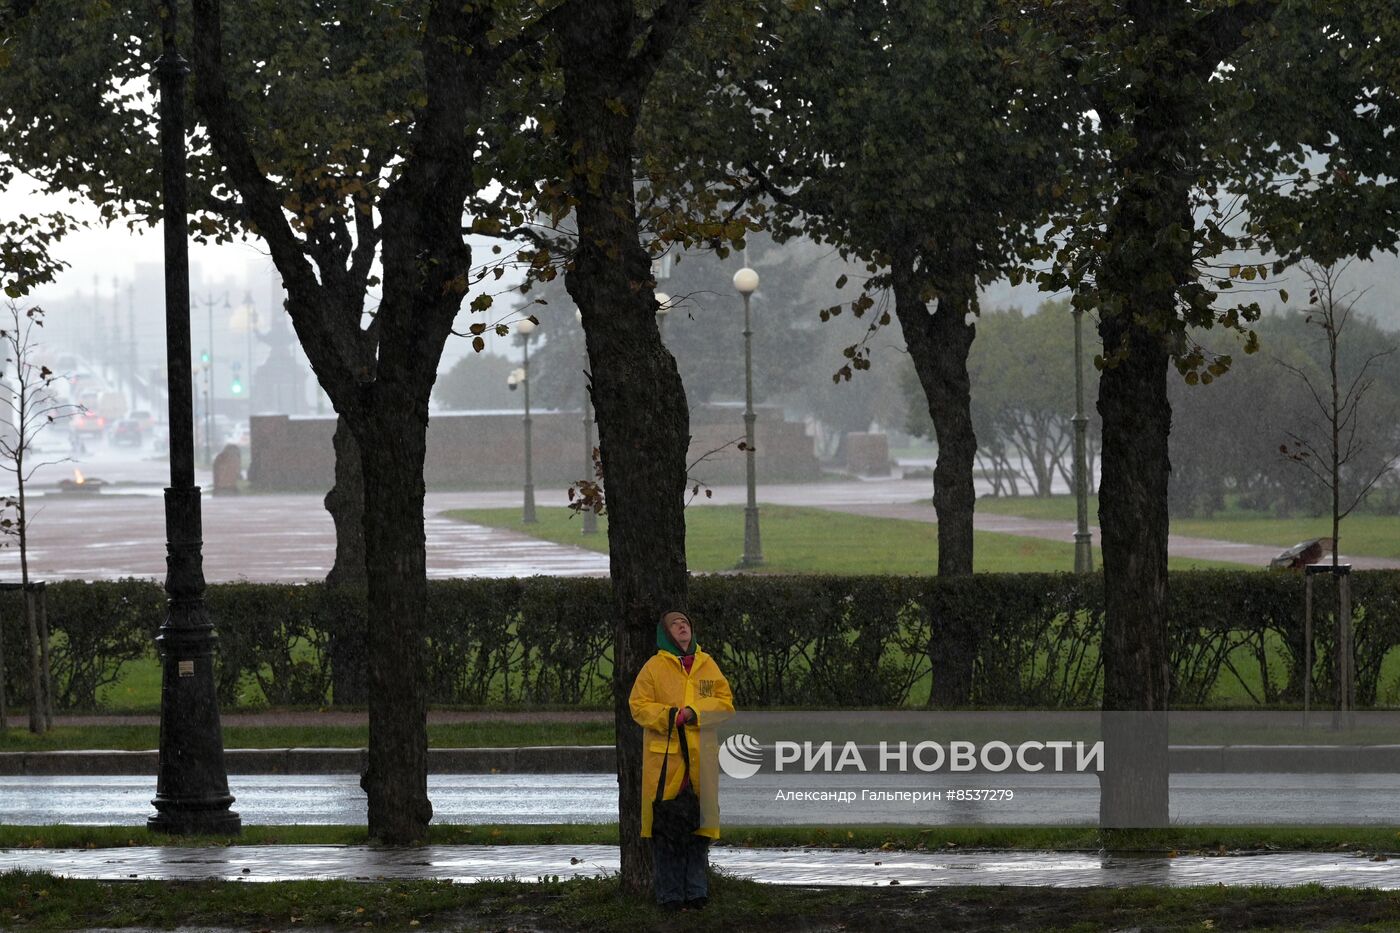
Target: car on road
(88, 423)
(126, 433)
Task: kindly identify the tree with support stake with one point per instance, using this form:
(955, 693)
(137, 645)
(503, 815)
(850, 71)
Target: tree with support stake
(30, 406)
(1338, 455)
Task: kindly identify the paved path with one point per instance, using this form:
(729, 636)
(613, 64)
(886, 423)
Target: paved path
(341, 717)
(289, 537)
(1177, 545)
(773, 866)
(264, 538)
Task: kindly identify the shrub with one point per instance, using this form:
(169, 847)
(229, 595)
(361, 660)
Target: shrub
(818, 641)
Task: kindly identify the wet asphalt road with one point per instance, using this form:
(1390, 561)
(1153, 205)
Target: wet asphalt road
(1068, 799)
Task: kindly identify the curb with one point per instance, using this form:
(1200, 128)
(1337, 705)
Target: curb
(601, 759)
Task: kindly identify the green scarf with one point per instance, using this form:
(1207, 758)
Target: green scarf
(665, 642)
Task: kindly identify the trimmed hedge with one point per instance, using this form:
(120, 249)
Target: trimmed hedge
(782, 640)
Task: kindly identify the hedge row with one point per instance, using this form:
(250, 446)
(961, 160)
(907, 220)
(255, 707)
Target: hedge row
(783, 641)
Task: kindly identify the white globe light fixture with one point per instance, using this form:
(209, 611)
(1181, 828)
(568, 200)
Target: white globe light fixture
(526, 327)
(663, 304)
(746, 281)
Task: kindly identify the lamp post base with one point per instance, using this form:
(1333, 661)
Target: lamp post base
(195, 818)
(192, 784)
(527, 516)
(1083, 552)
(753, 546)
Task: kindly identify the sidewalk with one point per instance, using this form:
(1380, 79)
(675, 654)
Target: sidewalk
(337, 717)
(824, 867)
(1177, 545)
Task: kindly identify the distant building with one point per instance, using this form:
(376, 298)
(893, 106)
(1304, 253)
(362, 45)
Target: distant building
(279, 385)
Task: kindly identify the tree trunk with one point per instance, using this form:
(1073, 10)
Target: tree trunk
(36, 670)
(4, 709)
(939, 344)
(346, 505)
(380, 376)
(36, 649)
(1133, 518)
(643, 419)
(393, 443)
(1145, 264)
(45, 663)
(643, 435)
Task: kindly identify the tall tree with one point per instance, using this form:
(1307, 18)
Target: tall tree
(327, 126)
(378, 376)
(608, 52)
(28, 405)
(1341, 457)
(1130, 250)
(899, 133)
(819, 115)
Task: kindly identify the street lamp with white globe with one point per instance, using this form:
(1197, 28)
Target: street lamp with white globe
(746, 283)
(521, 377)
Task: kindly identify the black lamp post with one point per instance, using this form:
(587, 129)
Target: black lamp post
(192, 785)
(590, 518)
(1083, 545)
(521, 377)
(746, 281)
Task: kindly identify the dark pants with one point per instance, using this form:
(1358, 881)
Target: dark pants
(682, 868)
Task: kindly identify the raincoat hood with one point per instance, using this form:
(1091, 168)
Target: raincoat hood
(664, 641)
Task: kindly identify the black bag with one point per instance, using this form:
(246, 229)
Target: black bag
(673, 820)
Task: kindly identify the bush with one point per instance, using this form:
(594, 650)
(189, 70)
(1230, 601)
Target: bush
(817, 641)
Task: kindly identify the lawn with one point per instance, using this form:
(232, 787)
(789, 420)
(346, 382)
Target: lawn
(1362, 534)
(810, 540)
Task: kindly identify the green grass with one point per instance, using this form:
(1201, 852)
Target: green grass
(487, 734)
(1181, 840)
(1362, 535)
(810, 540)
(136, 689)
(34, 900)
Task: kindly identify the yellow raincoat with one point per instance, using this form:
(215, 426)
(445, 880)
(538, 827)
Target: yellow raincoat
(661, 685)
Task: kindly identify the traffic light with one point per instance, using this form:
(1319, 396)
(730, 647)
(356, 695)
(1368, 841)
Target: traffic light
(236, 387)
(204, 357)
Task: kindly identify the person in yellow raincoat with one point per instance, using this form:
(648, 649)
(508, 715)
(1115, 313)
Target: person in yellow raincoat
(682, 681)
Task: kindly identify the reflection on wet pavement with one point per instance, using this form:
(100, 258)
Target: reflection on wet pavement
(487, 799)
(774, 866)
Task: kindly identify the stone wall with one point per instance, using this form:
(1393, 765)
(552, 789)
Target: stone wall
(487, 449)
